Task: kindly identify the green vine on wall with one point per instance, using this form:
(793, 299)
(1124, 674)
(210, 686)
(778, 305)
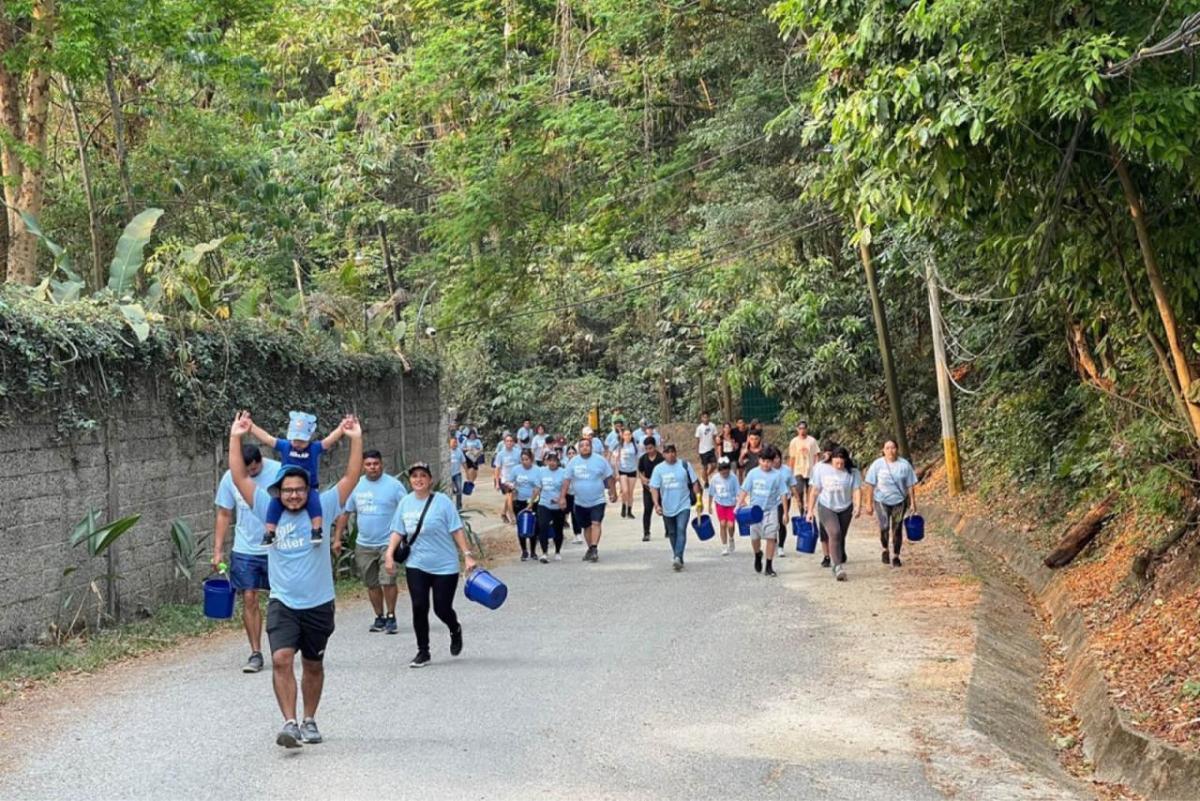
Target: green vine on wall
(79, 361)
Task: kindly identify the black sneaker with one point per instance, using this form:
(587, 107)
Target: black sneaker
(770, 571)
(896, 561)
(317, 536)
(884, 557)
(268, 539)
(389, 625)
(594, 554)
(289, 736)
(254, 664)
(646, 537)
(758, 562)
(380, 622)
(420, 660)
(825, 562)
(524, 557)
(456, 641)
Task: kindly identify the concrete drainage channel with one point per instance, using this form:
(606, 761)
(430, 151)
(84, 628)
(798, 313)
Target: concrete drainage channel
(1003, 701)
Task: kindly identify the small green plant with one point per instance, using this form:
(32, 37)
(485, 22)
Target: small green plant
(188, 549)
(1190, 689)
(98, 539)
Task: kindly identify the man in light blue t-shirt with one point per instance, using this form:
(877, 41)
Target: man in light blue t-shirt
(588, 475)
(248, 557)
(373, 503)
(671, 484)
(301, 610)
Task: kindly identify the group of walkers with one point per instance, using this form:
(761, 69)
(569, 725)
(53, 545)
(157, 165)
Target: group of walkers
(279, 548)
(555, 479)
(279, 512)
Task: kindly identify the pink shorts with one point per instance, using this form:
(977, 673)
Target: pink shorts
(724, 513)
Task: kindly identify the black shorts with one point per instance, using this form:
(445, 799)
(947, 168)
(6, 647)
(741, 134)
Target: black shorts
(586, 515)
(709, 458)
(470, 463)
(631, 474)
(519, 506)
(304, 630)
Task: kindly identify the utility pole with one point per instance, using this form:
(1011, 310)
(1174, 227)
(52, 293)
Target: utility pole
(391, 272)
(954, 477)
(885, 343)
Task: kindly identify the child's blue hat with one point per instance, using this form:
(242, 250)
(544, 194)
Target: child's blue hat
(301, 425)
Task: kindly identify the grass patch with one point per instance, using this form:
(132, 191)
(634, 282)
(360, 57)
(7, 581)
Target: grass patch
(170, 625)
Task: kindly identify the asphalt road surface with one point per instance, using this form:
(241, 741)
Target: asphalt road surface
(619, 680)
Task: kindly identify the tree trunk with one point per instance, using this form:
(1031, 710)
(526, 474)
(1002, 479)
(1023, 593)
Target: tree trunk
(1085, 364)
(664, 400)
(22, 254)
(1183, 369)
(118, 117)
(10, 119)
(86, 174)
(1080, 534)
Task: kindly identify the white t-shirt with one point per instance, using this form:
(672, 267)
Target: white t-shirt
(705, 432)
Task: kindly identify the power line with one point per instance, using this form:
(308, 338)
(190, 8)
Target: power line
(673, 276)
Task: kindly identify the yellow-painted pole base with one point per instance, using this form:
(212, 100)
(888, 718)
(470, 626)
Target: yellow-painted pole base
(954, 479)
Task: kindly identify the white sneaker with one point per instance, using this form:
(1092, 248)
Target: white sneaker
(779, 553)
(578, 540)
(725, 551)
(543, 559)
(731, 542)
(558, 557)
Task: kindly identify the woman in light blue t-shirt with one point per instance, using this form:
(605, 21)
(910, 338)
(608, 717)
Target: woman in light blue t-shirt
(891, 483)
(833, 495)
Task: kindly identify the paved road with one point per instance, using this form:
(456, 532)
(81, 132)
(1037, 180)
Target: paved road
(620, 680)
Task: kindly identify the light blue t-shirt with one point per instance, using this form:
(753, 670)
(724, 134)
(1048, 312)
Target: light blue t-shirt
(301, 574)
(788, 476)
(672, 482)
(473, 447)
(587, 476)
(891, 480)
(627, 458)
(435, 550)
(765, 489)
(836, 487)
(456, 460)
(507, 460)
(639, 437)
(523, 434)
(723, 490)
(551, 482)
(612, 441)
(248, 530)
(538, 446)
(597, 446)
(524, 480)
(375, 503)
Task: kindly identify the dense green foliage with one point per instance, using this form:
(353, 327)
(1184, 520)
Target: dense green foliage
(631, 203)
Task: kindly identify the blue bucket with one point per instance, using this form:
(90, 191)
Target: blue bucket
(218, 598)
(749, 515)
(526, 523)
(468, 487)
(703, 527)
(806, 535)
(484, 588)
(914, 526)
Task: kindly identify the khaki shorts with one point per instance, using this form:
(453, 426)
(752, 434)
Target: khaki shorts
(369, 560)
(768, 529)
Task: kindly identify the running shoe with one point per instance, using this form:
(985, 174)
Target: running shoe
(268, 539)
(839, 573)
(578, 540)
(645, 538)
(456, 641)
(780, 553)
(379, 624)
(825, 562)
(389, 625)
(677, 564)
(884, 557)
(420, 660)
(725, 551)
(524, 557)
(289, 736)
(896, 561)
(309, 732)
(770, 572)
(254, 664)
(544, 559)
(758, 562)
(317, 536)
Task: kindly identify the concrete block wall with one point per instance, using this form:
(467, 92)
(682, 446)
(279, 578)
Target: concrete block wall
(137, 461)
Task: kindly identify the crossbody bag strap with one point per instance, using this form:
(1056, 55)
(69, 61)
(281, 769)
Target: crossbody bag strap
(421, 520)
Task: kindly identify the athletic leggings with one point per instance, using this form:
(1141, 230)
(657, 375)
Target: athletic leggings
(837, 526)
(420, 586)
(891, 517)
(783, 529)
(576, 529)
(648, 513)
(550, 526)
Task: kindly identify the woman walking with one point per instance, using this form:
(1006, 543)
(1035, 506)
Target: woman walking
(525, 481)
(891, 492)
(728, 446)
(671, 485)
(722, 492)
(472, 448)
(626, 458)
(576, 527)
(550, 516)
(456, 469)
(832, 497)
(430, 525)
